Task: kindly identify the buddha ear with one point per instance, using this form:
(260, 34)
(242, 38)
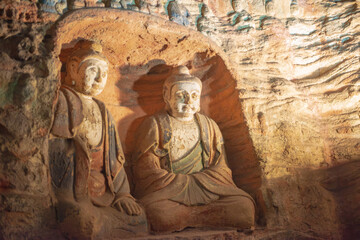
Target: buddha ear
(166, 94)
(71, 71)
(73, 65)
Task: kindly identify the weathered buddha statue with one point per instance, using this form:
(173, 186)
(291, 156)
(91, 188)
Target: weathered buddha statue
(180, 168)
(86, 157)
(203, 21)
(76, 4)
(177, 13)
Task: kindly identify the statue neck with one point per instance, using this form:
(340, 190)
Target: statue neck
(84, 97)
(183, 119)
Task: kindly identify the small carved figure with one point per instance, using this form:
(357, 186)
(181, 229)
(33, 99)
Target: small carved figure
(180, 169)
(240, 17)
(206, 25)
(76, 4)
(269, 6)
(61, 7)
(237, 5)
(203, 21)
(50, 5)
(86, 157)
(142, 5)
(294, 8)
(121, 4)
(176, 15)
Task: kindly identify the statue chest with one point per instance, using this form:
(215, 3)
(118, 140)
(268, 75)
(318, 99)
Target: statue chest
(91, 127)
(184, 138)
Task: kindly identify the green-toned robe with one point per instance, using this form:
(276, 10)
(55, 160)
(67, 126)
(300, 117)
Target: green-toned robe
(191, 163)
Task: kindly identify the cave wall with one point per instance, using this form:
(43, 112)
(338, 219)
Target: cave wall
(295, 66)
(27, 93)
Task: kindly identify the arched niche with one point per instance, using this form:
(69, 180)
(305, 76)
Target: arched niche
(141, 50)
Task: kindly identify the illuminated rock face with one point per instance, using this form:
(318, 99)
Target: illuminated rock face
(299, 86)
(291, 87)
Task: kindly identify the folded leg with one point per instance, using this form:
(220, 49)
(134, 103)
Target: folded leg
(233, 211)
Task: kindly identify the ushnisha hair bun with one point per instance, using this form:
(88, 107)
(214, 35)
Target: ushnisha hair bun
(179, 74)
(82, 51)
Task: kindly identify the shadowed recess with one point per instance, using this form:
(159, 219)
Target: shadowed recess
(139, 64)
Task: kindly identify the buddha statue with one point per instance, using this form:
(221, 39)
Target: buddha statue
(203, 22)
(240, 16)
(76, 4)
(178, 13)
(86, 157)
(52, 6)
(180, 169)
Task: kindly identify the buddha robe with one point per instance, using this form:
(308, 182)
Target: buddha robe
(109, 158)
(194, 191)
(89, 181)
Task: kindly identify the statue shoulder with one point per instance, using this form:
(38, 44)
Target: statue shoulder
(208, 123)
(148, 130)
(68, 113)
(147, 137)
(157, 120)
(148, 123)
(205, 119)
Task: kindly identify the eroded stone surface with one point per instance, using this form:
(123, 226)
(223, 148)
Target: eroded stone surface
(28, 90)
(24, 11)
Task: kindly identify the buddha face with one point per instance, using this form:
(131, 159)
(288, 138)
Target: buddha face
(184, 100)
(91, 76)
(204, 10)
(236, 4)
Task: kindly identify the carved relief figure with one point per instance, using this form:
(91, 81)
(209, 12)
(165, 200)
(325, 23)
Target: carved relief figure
(206, 25)
(53, 6)
(142, 6)
(240, 17)
(180, 168)
(269, 6)
(178, 14)
(121, 4)
(75, 4)
(87, 158)
(203, 22)
(294, 8)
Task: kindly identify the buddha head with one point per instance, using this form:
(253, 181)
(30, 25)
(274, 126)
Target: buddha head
(204, 10)
(237, 5)
(182, 93)
(87, 69)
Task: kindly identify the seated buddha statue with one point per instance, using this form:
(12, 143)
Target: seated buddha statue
(86, 156)
(180, 169)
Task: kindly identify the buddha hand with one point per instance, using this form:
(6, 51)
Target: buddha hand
(129, 206)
